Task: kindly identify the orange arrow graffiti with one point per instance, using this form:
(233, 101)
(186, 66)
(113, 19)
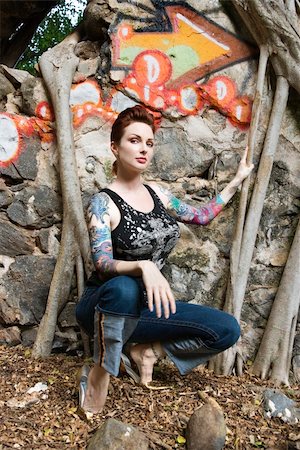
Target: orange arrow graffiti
(195, 47)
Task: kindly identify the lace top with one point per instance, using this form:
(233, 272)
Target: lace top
(143, 236)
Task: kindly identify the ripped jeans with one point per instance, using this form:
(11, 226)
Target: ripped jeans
(116, 313)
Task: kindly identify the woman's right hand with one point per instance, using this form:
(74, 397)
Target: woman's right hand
(158, 290)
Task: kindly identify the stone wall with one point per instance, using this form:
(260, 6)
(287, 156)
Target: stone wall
(190, 67)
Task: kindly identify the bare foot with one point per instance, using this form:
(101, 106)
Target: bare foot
(145, 358)
(97, 388)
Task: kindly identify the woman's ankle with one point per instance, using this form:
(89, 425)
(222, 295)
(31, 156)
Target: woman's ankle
(97, 389)
(157, 350)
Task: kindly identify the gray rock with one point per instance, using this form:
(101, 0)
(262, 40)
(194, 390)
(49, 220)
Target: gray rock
(67, 316)
(65, 340)
(296, 367)
(6, 198)
(179, 157)
(37, 207)
(296, 354)
(206, 429)
(88, 67)
(5, 86)
(279, 405)
(42, 240)
(258, 305)
(14, 241)
(33, 93)
(88, 49)
(115, 435)
(15, 76)
(47, 240)
(28, 336)
(10, 336)
(24, 289)
(25, 167)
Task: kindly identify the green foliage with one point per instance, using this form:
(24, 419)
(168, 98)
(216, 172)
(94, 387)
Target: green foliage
(58, 23)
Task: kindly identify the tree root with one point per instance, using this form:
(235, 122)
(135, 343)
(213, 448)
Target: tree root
(270, 23)
(80, 287)
(275, 352)
(57, 66)
(59, 289)
(224, 363)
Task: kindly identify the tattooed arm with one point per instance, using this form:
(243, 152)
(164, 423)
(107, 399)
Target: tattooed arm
(158, 290)
(205, 214)
(187, 213)
(100, 235)
(99, 215)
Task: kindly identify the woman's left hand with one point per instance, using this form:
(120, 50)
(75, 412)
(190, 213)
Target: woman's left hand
(244, 169)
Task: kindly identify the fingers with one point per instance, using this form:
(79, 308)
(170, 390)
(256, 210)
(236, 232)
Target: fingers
(163, 300)
(171, 301)
(158, 290)
(244, 157)
(150, 299)
(157, 302)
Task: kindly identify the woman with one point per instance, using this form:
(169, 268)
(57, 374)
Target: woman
(133, 228)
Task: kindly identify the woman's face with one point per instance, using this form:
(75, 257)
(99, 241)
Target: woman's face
(135, 149)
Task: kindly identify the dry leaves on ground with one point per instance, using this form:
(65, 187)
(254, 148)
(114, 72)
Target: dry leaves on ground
(51, 420)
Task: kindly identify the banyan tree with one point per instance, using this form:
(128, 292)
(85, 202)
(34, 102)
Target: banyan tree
(272, 28)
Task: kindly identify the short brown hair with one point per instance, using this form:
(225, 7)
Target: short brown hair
(130, 115)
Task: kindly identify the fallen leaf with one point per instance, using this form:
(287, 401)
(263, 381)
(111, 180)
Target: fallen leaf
(180, 440)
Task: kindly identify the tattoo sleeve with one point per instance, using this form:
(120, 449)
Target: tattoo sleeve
(191, 215)
(100, 235)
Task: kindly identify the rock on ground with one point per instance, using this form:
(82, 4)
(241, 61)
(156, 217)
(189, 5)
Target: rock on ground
(115, 435)
(206, 428)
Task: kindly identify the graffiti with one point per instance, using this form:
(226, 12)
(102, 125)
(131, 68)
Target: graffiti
(44, 111)
(10, 141)
(86, 101)
(161, 69)
(221, 92)
(14, 127)
(195, 46)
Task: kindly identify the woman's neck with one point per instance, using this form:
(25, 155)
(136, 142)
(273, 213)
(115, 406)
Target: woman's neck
(128, 182)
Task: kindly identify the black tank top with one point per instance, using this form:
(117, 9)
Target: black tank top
(142, 236)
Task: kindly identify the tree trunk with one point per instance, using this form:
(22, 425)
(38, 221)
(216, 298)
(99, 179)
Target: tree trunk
(275, 24)
(227, 360)
(59, 291)
(224, 363)
(58, 66)
(275, 352)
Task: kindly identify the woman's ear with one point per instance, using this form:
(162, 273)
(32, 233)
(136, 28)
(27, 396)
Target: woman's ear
(114, 149)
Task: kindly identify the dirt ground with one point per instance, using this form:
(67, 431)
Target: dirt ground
(50, 420)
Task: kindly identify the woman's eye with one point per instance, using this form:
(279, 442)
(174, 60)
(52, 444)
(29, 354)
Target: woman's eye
(134, 141)
(150, 144)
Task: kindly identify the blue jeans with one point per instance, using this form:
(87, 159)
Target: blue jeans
(117, 313)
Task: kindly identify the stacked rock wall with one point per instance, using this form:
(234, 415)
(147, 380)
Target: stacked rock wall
(195, 73)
